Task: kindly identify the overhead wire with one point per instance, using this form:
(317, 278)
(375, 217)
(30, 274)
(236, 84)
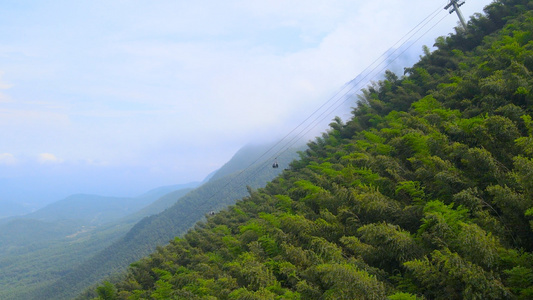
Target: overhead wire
(326, 113)
(329, 110)
(430, 17)
(346, 99)
(367, 72)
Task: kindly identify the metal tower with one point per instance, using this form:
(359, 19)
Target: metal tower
(454, 7)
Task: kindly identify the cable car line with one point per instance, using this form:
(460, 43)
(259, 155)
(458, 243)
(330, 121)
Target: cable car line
(425, 21)
(335, 105)
(328, 112)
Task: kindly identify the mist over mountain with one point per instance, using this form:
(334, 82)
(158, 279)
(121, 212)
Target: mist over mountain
(10, 208)
(37, 185)
(97, 210)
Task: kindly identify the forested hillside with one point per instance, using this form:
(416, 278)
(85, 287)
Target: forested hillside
(427, 192)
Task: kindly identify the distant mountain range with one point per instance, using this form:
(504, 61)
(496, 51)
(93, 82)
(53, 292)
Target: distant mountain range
(36, 248)
(97, 210)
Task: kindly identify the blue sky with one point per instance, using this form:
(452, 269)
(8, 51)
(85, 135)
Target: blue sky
(117, 97)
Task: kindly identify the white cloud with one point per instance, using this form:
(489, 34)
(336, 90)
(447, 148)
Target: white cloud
(7, 159)
(48, 158)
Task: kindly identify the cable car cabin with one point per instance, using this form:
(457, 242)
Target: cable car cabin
(275, 165)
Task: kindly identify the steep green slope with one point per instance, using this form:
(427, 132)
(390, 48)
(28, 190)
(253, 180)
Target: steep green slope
(426, 192)
(159, 229)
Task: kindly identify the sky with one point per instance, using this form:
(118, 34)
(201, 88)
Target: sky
(118, 97)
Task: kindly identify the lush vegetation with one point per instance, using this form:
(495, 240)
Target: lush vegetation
(427, 192)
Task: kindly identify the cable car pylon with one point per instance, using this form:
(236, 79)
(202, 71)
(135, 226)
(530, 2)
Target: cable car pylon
(454, 7)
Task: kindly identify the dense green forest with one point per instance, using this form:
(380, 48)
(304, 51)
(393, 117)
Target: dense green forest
(426, 193)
